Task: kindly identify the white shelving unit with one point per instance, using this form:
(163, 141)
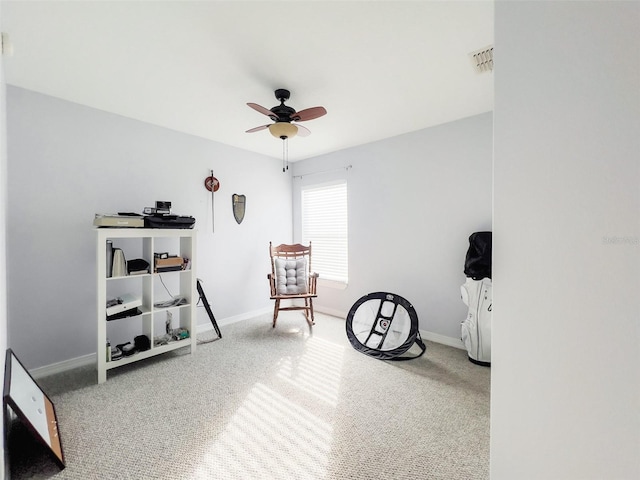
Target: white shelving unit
(151, 288)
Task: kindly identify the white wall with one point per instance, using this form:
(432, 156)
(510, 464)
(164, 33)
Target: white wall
(413, 202)
(565, 397)
(67, 162)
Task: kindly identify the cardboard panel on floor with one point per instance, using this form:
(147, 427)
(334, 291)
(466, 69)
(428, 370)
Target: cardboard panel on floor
(32, 406)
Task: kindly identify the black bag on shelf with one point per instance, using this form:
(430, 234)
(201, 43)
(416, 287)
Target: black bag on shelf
(169, 221)
(142, 343)
(137, 266)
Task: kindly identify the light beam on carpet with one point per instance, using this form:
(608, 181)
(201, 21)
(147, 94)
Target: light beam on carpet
(317, 371)
(272, 435)
(269, 437)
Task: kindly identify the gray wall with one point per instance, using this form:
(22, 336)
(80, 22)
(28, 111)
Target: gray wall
(67, 162)
(565, 390)
(413, 202)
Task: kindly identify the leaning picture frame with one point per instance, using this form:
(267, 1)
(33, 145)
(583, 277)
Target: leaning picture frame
(32, 406)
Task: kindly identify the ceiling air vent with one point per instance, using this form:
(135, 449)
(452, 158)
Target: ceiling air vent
(482, 59)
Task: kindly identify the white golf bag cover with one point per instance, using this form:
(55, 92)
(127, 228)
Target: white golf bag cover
(476, 328)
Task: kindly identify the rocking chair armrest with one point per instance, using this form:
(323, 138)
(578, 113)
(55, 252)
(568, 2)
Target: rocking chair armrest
(272, 284)
(313, 277)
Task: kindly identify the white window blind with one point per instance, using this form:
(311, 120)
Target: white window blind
(324, 224)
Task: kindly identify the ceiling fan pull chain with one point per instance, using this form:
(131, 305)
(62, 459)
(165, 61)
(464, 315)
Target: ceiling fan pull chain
(285, 154)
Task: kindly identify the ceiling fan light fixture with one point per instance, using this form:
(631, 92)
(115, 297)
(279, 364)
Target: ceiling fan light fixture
(283, 130)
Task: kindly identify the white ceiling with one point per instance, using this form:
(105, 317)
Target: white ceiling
(380, 69)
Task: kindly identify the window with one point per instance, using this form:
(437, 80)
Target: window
(324, 224)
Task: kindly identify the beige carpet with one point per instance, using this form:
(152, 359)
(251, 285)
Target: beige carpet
(264, 403)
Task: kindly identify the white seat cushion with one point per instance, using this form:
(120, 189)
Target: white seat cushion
(291, 276)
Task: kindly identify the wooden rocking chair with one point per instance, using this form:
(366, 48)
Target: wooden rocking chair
(291, 278)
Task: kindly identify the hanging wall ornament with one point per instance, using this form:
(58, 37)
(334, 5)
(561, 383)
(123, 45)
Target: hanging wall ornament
(212, 184)
(239, 206)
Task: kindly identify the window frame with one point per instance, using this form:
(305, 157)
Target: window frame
(332, 281)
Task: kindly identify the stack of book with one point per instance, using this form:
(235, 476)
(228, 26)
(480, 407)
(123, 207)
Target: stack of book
(170, 264)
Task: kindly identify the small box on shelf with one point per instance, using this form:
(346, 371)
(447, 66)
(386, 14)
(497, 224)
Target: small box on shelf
(170, 264)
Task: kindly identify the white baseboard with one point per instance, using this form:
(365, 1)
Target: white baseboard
(330, 311)
(63, 366)
(443, 339)
(90, 359)
(426, 335)
(205, 327)
(430, 336)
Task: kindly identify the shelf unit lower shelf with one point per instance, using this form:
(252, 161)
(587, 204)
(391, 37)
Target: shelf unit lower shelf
(160, 349)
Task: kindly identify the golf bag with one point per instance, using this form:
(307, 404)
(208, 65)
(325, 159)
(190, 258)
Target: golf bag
(476, 328)
(477, 295)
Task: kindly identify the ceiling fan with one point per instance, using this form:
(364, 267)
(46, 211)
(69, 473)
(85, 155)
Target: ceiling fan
(283, 116)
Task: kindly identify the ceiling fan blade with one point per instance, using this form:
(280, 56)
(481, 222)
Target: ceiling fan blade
(303, 131)
(308, 114)
(265, 111)
(257, 129)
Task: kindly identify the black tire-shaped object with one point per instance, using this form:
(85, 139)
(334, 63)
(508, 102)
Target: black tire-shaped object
(372, 333)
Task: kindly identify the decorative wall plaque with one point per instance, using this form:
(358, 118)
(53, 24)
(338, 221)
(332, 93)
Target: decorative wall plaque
(239, 206)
